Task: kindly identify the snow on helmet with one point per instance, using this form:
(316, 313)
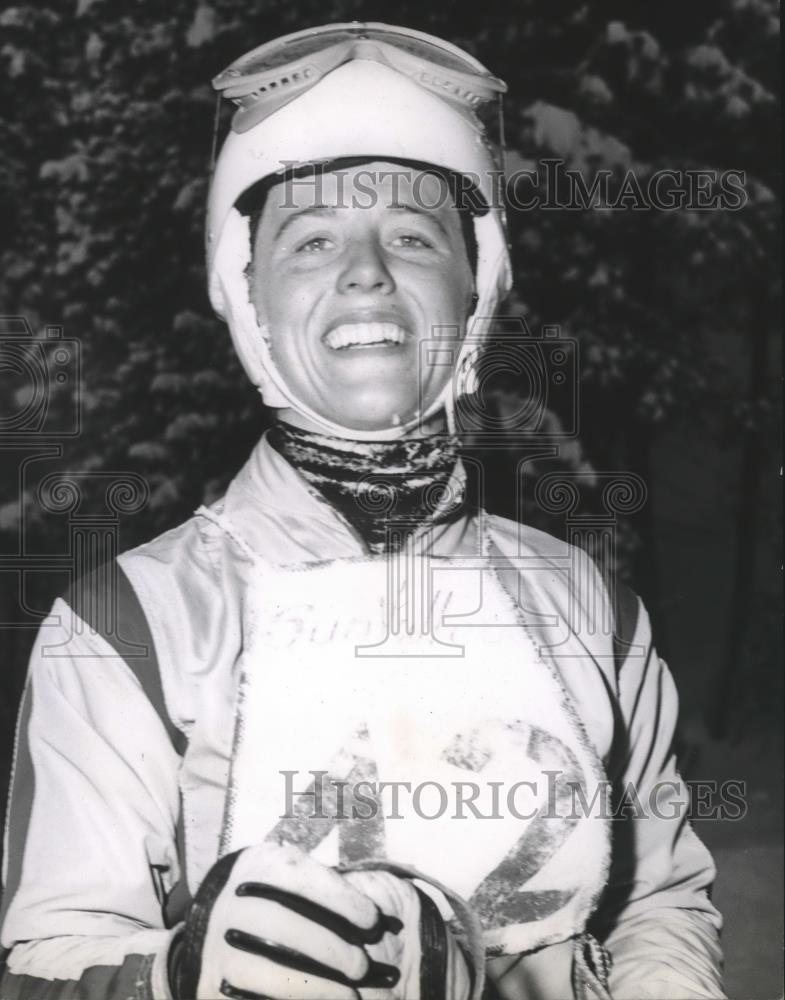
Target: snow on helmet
(363, 108)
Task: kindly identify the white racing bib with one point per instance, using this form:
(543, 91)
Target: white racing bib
(396, 709)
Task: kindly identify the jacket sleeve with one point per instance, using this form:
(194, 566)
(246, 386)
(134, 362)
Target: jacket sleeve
(90, 845)
(656, 917)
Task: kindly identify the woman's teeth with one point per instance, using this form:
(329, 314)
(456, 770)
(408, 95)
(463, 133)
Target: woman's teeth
(364, 335)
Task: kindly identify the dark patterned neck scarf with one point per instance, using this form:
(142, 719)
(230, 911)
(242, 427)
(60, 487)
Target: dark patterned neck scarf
(384, 489)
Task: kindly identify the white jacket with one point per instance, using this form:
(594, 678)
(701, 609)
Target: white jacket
(109, 822)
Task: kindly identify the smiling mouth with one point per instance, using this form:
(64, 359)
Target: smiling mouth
(352, 335)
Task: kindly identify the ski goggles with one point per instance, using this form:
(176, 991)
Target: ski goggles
(268, 77)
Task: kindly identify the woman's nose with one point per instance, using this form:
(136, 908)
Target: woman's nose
(365, 269)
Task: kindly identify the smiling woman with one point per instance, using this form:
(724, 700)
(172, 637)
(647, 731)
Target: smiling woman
(421, 136)
(350, 290)
(344, 613)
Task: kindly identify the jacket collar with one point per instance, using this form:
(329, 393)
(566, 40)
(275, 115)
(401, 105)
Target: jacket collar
(282, 518)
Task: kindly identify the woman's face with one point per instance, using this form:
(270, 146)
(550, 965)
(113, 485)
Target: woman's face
(354, 273)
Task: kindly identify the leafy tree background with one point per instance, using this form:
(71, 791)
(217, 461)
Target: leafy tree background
(106, 138)
(106, 145)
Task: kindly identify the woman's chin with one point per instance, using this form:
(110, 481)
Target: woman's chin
(367, 420)
(388, 419)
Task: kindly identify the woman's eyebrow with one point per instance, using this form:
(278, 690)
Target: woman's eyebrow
(320, 210)
(419, 210)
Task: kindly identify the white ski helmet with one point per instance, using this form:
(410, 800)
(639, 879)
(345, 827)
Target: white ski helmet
(382, 101)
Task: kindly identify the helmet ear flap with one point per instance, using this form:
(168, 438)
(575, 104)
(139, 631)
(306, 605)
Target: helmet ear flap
(232, 290)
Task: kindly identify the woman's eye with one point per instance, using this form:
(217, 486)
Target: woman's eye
(315, 245)
(410, 240)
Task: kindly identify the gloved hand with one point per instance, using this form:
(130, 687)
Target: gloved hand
(432, 963)
(271, 922)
